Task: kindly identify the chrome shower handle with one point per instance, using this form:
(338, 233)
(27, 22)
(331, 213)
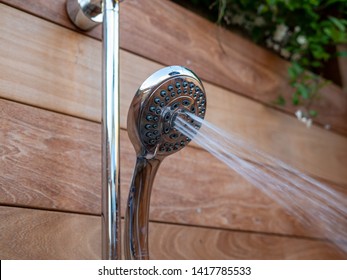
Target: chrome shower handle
(137, 211)
(162, 96)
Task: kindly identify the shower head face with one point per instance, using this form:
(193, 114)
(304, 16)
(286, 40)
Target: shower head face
(167, 93)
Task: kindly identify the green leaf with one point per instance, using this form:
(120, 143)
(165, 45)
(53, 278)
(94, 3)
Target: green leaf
(263, 9)
(316, 64)
(313, 113)
(221, 10)
(314, 2)
(292, 73)
(271, 2)
(338, 23)
(338, 36)
(303, 90)
(305, 62)
(327, 31)
(296, 69)
(320, 54)
(295, 98)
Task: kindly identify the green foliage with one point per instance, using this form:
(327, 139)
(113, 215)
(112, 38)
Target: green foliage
(299, 31)
(306, 85)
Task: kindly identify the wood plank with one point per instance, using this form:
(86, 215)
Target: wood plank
(48, 160)
(66, 78)
(223, 58)
(52, 161)
(62, 144)
(47, 66)
(217, 244)
(35, 234)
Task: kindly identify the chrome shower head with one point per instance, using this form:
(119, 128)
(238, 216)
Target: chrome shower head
(167, 93)
(162, 96)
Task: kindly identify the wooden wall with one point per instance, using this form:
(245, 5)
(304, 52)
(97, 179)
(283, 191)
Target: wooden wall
(50, 138)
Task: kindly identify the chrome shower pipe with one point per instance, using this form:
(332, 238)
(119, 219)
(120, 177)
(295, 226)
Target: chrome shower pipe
(86, 14)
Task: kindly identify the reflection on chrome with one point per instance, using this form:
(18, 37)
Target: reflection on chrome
(86, 14)
(167, 93)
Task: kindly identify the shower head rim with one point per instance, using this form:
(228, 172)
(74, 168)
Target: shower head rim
(145, 96)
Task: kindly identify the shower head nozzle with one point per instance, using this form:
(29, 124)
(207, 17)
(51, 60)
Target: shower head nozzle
(160, 99)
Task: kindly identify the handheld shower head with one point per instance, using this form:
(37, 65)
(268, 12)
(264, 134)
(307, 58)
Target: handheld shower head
(159, 100)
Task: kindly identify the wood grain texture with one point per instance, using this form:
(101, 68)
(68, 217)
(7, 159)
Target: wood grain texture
(218, 244)
(60, 70)
(37, 234)
(222, 57)
(42, 65)
(48, 160)
(52, 161)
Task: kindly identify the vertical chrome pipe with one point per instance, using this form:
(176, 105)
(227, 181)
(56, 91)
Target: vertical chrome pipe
(111, 232)
(86, 14)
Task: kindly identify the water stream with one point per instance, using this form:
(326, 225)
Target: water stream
(317, 206)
